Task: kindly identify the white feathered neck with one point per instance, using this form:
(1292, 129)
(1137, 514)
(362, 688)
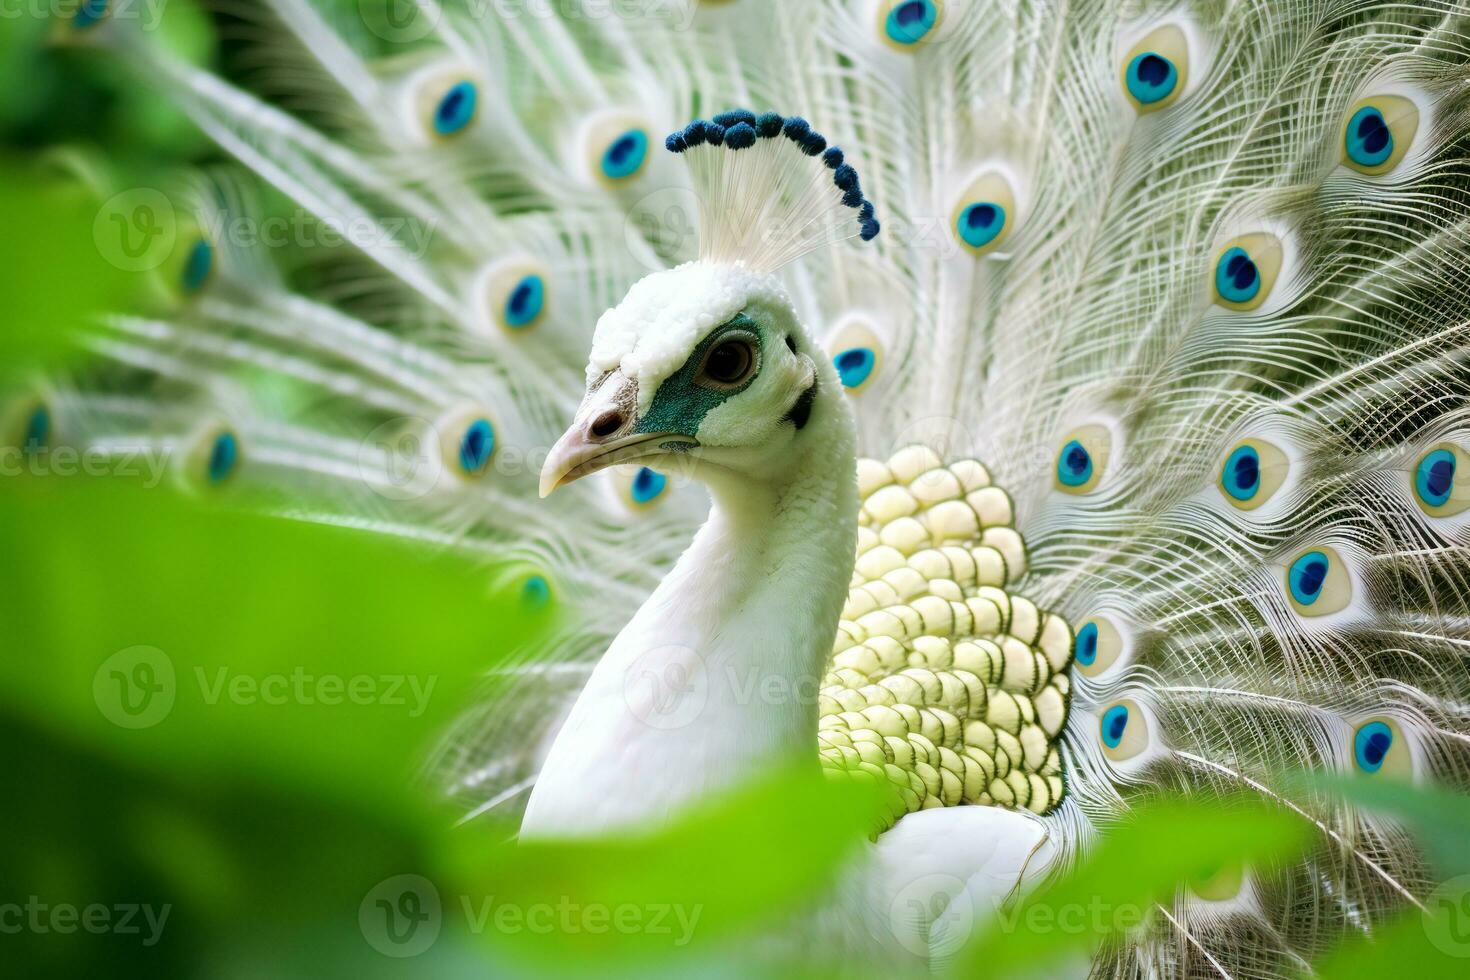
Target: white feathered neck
(715, 678)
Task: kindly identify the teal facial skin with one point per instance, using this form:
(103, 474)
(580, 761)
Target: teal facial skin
(681, 403)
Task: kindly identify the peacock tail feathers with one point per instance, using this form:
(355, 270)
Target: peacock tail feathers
(1189, 277)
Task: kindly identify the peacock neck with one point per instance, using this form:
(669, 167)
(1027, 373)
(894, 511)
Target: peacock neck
(715, 679)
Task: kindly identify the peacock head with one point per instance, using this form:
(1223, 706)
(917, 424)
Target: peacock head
(709, 362)
(706, 364)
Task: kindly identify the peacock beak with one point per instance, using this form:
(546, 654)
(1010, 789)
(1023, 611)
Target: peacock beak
(604, 434)
(579, 453)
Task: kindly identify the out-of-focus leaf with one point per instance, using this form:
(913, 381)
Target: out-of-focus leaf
(185, 636)
(1137, 864)
(1440, 818)
(747, 859)
(60, 276)
(1432, 945)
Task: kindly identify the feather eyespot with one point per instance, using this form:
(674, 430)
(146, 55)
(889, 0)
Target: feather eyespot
(197, 266)
(1156, 69)
(514, 294)
(37, 430)
(445, 101)
(89, 13)
(984, 214)
(456, 108)
(1379, 747)
(476, 447)
(1441, 481)
(1252, 473)
(904, 24)
(1082, 459)
(214, 457)
(638, 487)
(625, 155)
(468, 439)
(1246, 270)
(27, 424)
(1317, 582)
(1378, 132)
(223, 454)
(535, 592)
(1099, 646)
(1123, 731)
(858, 355)
(615, 147)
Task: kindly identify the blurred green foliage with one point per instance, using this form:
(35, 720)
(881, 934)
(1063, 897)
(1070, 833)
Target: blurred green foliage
(198, 721)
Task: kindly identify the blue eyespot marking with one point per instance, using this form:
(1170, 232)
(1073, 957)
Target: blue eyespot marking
(197, 266)
(1114, 723)
(38, 431)
(1371, 745)
(648, 486)
(625, 156)
(456, 109)
(1087, 644)
(855, 365)
(476, 446)
(536, 592)
(1074, 464)
(88, 13)
(222, 457)
(979, 223)
(910, 22)
(1151, 77)
(1241, 476)
(1434, 478)
(1308, 574)
(525, 302)
(1236, 278)
(1369, 141)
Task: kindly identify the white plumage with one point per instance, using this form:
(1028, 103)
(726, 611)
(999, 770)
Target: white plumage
(1190, 279)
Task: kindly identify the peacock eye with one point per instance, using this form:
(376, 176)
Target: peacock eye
(625, 155)
(985, 213)
(1378, 132)
(1123, 730)
(513, 294)
(1379, 747)
(904, 24)
(1099, 645)
(89, 14)
(446, 102)
(1441, 481)
(857, 354)
(1317, 582)
(615, 146)
(1252, 473)
(213, 458)
(728, 364)
(1083, 458)
(1156, 69)
(476, 446)
(1246, 270)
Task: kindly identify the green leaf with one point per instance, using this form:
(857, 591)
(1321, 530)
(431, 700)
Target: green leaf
(1136, 865)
